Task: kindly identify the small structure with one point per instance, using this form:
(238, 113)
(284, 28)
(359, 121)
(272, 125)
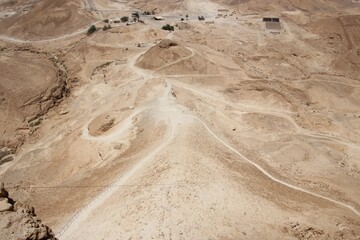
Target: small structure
(267, 19)
(158, 18)
(272, 24)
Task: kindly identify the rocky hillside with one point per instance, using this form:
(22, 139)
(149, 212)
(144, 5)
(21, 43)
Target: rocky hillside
(32, 83)
(18, 221)
(42, 19)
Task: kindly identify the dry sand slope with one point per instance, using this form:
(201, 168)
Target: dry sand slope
(219, 130)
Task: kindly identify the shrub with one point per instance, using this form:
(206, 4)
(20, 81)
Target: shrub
(124, 19)
(106, 21)
(106, 27)
(91, 30)
(201, 18)
(182, 19)
(136, 16)
(168, 27)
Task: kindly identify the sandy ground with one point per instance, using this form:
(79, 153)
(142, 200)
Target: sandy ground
(227, 132)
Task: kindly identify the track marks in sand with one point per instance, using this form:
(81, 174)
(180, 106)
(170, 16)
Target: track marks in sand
(267, 174)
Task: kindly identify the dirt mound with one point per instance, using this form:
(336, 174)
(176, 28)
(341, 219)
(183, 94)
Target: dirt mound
(101, 124)
(18, 221)
(162, 54)
(32, 83)
(45, 18)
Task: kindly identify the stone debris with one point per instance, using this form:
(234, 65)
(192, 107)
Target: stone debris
(19, 221)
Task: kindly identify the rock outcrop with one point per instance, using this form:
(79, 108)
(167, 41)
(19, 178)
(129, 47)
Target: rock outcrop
(27, 93)
(167, 43)
(18, 221)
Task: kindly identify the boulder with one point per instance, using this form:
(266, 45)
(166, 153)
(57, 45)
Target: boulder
(24, 208)
(5, 205)
(3, 192)
(19, 222)
(4, 152)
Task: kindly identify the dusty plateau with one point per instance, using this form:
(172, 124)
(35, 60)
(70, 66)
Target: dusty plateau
(225, 128)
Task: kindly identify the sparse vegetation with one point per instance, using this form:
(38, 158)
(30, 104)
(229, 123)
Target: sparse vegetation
(136, 16)
(124, 19)
(187, 17)
(106, 27)
(168, 27)
(91, 30)
(147, 13)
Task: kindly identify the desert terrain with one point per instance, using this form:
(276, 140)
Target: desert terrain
(225, 128)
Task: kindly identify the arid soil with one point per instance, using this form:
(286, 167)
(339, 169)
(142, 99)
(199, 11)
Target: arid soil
(218, 130)
(32, 19)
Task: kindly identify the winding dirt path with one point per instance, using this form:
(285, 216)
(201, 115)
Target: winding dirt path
(177, 61)
(351, 208)
(163, 108)
(282, 114)
(166, 109)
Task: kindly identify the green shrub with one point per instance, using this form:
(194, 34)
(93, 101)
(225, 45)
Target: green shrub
(106, 27)
(91, 30)
(136, 15)
(124, 19)
(168, 27)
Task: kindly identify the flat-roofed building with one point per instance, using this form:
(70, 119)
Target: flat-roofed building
(272, 24)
